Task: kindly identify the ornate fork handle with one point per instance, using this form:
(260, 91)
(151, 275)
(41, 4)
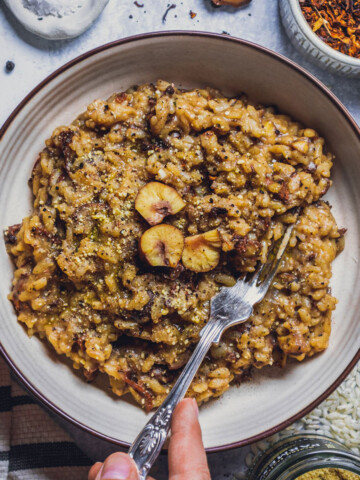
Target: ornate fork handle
(150, 440)
(229, 307)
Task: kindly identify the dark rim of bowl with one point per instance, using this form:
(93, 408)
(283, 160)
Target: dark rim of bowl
(28, 385)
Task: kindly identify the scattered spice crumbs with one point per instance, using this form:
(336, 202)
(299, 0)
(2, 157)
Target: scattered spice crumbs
(336, 22)
(170, 7)
(192, 14)
(9, 66)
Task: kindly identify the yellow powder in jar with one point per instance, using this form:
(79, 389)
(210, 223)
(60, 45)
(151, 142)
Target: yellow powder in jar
(329, 474)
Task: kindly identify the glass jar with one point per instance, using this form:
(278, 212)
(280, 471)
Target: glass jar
(293, 456)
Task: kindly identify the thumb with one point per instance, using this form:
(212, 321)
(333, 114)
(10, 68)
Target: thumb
(118, 466)
(187, 457)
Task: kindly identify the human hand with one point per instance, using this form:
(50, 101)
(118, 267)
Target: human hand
(187, 458)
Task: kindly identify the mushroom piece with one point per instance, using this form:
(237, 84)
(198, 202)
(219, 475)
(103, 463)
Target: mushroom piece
(233, 3)
(155, 201)
(202, 252)
(161, 246)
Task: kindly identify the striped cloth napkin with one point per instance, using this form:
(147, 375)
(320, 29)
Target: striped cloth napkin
(32, 445)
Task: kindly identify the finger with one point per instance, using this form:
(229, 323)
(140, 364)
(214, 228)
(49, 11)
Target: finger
(94, 470)
(187, 457)
(118, 466)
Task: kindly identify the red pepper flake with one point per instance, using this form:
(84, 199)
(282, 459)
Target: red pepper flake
(192, 14)
(139, 5)
(121, 97)
(336, 22)
(170, 7)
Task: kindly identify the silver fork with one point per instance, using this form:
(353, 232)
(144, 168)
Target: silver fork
(229, 307)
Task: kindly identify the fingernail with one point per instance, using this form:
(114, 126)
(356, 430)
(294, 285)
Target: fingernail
(116, 467)
(195, 407)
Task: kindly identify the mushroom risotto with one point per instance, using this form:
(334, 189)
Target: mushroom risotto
(149, 203)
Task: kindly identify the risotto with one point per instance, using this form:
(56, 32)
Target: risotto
(149, 203)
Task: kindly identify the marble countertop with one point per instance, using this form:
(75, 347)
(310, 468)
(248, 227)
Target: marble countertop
(35, 58)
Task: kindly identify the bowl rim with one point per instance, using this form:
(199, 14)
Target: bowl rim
(32, 389)
(316, 40)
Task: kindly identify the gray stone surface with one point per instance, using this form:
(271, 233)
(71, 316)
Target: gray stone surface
(259, 22)
(35, 58)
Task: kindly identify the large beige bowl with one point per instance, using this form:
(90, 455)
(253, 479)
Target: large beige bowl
(273, 398)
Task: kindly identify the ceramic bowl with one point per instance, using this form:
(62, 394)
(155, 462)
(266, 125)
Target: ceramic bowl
(311, 46)
(274, 397)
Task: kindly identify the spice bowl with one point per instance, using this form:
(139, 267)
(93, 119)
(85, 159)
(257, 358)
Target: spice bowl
(302, 456)
(311, 46)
